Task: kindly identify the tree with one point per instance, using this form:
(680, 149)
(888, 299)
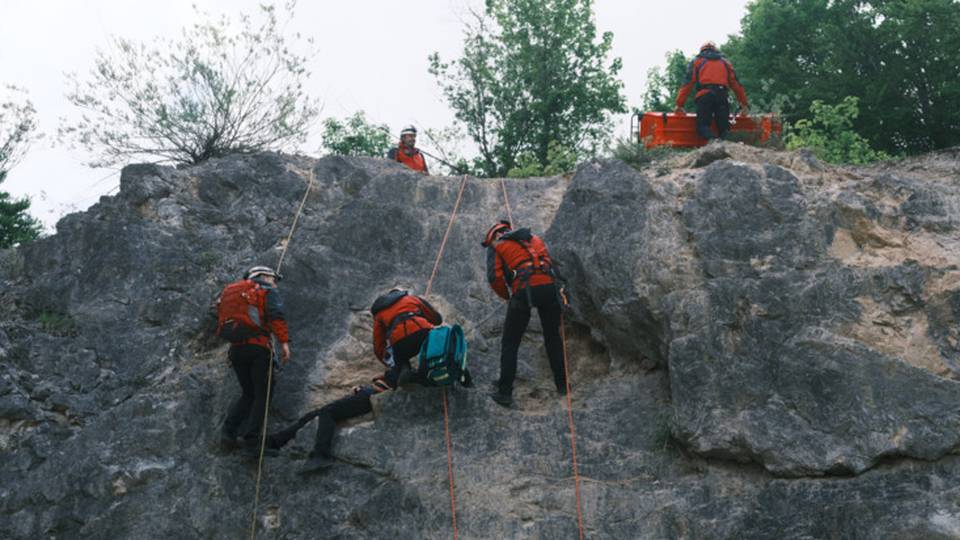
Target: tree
(664, 83)
(533, 74)
(18, 125)
(354, 136)
(217, 89)
(899, 58)
(830, 134)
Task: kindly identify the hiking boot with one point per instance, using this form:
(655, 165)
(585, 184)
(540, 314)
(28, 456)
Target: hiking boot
(317, 464)
(405, 377)
(505, 400)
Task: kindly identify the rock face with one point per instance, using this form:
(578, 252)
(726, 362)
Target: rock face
(762, 346)
(792, 307)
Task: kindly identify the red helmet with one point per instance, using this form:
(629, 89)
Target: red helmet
(708, 45)
(491, 235)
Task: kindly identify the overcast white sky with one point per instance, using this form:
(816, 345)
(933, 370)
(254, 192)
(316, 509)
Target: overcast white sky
(373, 57)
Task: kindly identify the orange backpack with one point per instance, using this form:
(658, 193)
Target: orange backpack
(240, 311)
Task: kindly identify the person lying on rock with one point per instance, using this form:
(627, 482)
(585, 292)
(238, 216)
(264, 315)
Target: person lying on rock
(520, 270)
(249, 311)
(401, 324)
(350, 406)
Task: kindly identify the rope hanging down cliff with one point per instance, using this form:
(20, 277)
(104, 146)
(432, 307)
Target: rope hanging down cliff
(266, 412)
(446, 414)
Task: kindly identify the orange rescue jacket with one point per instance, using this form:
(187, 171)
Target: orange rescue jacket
(707, 71)
(414, 160)
(417, 315)
(517, 260)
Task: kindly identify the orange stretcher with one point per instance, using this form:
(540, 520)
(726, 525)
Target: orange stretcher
(680, 131)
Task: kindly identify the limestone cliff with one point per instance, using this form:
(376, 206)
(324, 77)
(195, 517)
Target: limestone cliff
(762, 346)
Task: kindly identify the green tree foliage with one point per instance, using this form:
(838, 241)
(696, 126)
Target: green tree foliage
(829, 133)
(560, 160)
(899, 57)
(533, 72)
(664, 83)
(222, 87)
(18, 125)
(355, 136)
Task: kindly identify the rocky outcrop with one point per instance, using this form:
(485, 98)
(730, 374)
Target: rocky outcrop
(762, 346)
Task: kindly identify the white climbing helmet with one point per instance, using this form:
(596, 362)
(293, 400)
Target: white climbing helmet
(262, 271)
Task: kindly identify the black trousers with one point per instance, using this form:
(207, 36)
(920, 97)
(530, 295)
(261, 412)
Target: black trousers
(327, 417)
(714, 105)
(331, 413)
(350, 406)
(403, 351)
(251, 364)
(518, 317)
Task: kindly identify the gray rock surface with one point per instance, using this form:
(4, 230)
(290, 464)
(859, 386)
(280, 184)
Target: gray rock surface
(792, 307)
(762, 346)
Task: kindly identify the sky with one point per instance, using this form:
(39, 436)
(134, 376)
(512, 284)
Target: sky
(372, 56)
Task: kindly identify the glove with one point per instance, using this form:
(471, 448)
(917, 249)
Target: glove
(679, 111)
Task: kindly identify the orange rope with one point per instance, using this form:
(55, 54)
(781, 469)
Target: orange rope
(446, 414)
(453, 497)
(566, 373)
(506, 201)
(266, 412)
(573, 429)
(453, 215)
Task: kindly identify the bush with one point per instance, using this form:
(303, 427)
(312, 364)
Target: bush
(215, 91)
(830, 135)
(354, 136)
(637, 155)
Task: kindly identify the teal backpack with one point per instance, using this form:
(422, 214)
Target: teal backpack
(443, 356)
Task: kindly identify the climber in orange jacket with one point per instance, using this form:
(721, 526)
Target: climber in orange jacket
(250, 350)
(407, 153)
(401, 322)
(520, 270)
(712, 76)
